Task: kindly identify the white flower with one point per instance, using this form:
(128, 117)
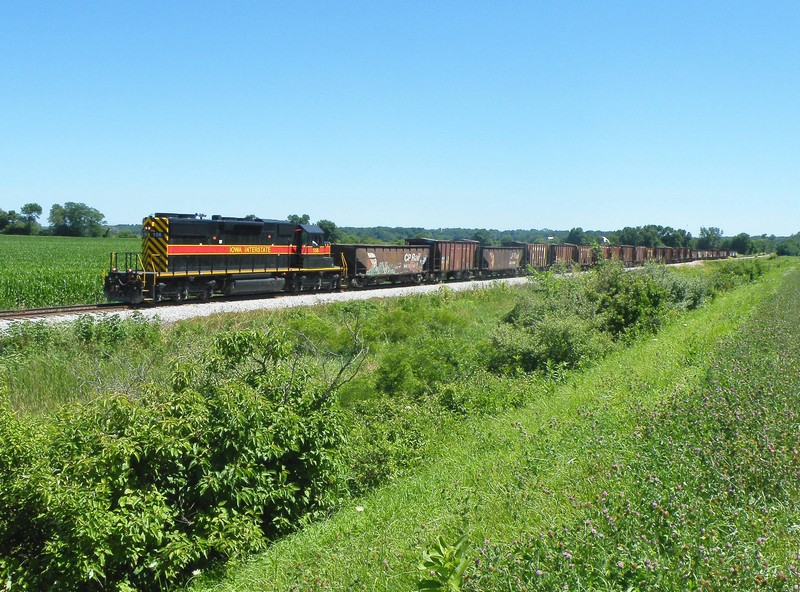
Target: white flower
(359, 508)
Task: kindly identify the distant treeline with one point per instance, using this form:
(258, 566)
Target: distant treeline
(650, 236)
(78, 219)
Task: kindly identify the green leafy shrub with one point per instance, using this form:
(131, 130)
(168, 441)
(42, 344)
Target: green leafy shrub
(28, 335)
(560, 340)
(386, 437)
(111, 330)
(729, 274)
(628, 303)
(139, 492)
(485, 393)
(684, 292)
(419, 364)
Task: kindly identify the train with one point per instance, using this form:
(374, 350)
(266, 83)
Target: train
(191, 256)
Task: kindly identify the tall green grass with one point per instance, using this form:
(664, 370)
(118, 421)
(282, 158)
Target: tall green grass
(510, 480)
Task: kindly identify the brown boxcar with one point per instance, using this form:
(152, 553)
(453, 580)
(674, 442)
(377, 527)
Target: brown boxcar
(640, 255)
(610, 252)
(456, 259)
(628, 255)
(564, 253)
(662, 254)
(501, 260)
(372, 264)
(585, 255)
(536, 255)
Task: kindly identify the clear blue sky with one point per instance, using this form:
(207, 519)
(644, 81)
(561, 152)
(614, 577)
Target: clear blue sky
(473, 114)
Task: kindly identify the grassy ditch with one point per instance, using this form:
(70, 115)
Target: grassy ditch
(528, 487)
(246, 428)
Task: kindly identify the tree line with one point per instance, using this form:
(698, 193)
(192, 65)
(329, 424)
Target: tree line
(79, 219)
(648, 236)
(71, 219)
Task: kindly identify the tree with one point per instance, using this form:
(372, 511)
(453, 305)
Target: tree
(330, 231)
(789, 246)
(741, 243)
(710, 238)
(649, 235)
(628, 236)
(295, 219)
(31, 212)
(76, 219)
(8, 220)
(482, 236)
(576, 236)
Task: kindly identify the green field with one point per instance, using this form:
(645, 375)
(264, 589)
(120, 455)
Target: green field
(41, 271)
(597, 431)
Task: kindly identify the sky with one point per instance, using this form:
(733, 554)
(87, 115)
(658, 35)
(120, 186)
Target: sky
(498, 114)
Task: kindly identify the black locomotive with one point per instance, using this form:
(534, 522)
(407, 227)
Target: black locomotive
(187, 255)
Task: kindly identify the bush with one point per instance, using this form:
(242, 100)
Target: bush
(559, 340)
(628, 303)
(420, 364)
(484, 393)
(730, 274)
(683, 292)
(385, 438)
(139, 492)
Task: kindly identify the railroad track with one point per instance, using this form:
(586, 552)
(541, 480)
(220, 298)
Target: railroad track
(53, 311)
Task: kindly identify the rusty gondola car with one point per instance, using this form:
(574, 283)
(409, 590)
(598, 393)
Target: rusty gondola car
(369, 265)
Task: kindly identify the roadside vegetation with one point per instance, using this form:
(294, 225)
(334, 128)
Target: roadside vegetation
(453, 431)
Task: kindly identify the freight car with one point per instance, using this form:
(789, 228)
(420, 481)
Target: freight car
(450, 260)
(371, 265)
(501, 261)
(188, 256)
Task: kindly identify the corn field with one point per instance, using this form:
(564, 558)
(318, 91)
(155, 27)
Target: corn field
(41, 271)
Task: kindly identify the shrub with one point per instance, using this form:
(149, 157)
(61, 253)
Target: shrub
(628, 303)
(683, 292)
(139, 492)
(420, 364)
(385, 438)
(556, 339)
(483, 393)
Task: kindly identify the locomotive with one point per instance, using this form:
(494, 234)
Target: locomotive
(190, 256)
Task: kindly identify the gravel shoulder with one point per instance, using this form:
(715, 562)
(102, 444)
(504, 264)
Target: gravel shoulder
(173, 313)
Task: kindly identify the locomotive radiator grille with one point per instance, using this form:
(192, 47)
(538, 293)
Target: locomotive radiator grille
(154, 244)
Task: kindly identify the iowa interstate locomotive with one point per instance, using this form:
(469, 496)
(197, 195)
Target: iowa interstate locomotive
(188, 256)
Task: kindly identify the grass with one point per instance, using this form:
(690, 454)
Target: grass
(504, 481)
(465, 478)
(42, 271)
